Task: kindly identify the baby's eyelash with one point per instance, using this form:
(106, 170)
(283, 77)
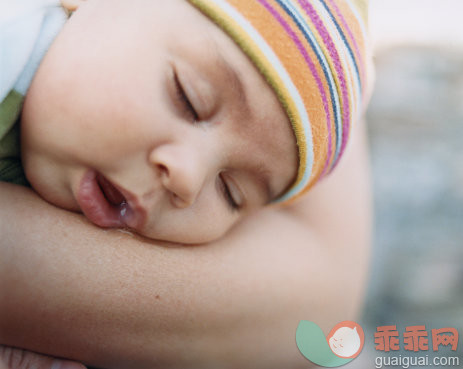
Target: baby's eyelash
(228, 196)
(183, 98)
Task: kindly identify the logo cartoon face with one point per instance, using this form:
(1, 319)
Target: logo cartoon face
(342, 345)
(345, 342)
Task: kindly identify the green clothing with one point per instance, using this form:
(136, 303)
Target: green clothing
(10, 160)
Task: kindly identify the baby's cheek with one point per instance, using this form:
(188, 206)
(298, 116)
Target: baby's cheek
(50, 180)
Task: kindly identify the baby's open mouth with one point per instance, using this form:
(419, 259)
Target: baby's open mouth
(105, 205)
(111, 193)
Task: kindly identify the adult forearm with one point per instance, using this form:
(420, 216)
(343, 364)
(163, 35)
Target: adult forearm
(71, 289)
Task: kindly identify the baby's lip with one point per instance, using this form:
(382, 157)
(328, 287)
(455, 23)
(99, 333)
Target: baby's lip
(108, 205)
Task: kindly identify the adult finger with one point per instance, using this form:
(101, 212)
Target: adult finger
(13, 358)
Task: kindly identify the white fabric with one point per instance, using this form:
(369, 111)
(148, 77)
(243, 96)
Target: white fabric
(27, 29)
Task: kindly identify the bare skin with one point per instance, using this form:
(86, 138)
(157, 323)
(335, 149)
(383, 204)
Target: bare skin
(114, 300)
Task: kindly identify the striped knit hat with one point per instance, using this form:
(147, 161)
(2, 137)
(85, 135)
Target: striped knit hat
(313, 53)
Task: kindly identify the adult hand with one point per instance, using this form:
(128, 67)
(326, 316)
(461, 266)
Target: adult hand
(13, 358)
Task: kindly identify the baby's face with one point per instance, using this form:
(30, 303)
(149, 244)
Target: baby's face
(146, 115)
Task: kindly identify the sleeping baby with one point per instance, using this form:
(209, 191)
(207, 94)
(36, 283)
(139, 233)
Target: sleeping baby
(177, 127)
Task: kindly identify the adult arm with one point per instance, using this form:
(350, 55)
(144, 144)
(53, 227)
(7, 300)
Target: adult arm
(114, 300)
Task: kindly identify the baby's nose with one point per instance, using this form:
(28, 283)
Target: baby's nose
(181, 171)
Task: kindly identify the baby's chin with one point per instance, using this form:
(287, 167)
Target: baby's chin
(188, 231)
(169, 237)
(184, 237)
(181, 239)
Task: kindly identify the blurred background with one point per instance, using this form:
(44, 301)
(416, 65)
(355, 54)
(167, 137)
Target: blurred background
(415, 125)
